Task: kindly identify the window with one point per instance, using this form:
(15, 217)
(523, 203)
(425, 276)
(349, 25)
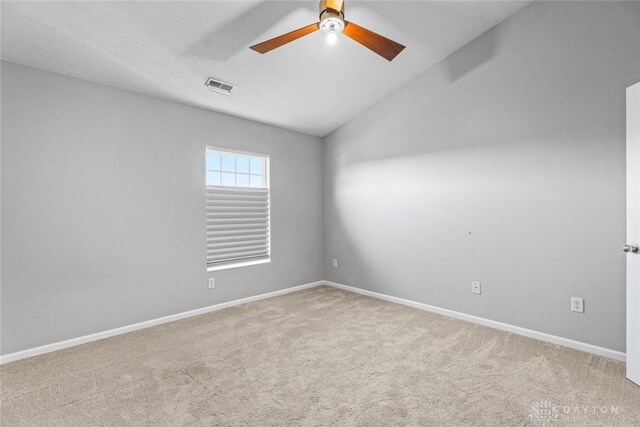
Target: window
(238, 223)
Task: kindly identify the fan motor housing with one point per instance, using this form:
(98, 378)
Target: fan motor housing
(326, 12)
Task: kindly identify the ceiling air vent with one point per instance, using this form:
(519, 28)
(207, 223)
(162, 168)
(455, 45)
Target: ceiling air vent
(218, 86)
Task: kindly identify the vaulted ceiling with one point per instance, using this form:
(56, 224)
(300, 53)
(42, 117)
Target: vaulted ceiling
(168, 49)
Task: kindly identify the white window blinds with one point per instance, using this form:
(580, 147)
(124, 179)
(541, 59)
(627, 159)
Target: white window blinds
(238, 222)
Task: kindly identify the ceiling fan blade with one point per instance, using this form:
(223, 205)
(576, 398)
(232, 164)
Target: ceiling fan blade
(383, 46)
(276, 42)
(335, 5)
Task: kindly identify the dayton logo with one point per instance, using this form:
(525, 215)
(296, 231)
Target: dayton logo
(544, 412)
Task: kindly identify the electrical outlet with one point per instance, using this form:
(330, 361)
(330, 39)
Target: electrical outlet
(212, 282)
(577, 304)
(335, 263)
(475, 288)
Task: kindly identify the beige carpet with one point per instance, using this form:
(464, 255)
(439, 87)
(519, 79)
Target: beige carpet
(318, 357)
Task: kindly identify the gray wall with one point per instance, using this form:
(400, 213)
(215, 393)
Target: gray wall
(103, 208)
(504, 164)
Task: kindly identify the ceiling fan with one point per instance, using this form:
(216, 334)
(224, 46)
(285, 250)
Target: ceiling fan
(332, 22)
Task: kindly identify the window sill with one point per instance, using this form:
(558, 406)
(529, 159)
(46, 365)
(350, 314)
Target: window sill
(239, 264)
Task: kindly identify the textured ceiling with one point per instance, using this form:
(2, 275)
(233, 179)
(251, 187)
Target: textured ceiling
(168, 49)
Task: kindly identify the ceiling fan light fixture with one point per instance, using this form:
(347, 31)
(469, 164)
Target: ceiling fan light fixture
(332, 24)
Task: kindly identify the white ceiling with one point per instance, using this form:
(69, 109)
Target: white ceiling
(168, 49)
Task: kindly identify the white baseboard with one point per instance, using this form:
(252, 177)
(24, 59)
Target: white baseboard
(11, 357)
(577, 345)
(541, 336)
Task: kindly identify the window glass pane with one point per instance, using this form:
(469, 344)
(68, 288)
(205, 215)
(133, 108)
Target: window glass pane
(228, 163)
(228, 179)
(256, 166)
(242, 180)
(213, 161)
(242, 164)
(213, 178)
(256, 181)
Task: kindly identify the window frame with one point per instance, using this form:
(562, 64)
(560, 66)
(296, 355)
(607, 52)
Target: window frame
(266, 176)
